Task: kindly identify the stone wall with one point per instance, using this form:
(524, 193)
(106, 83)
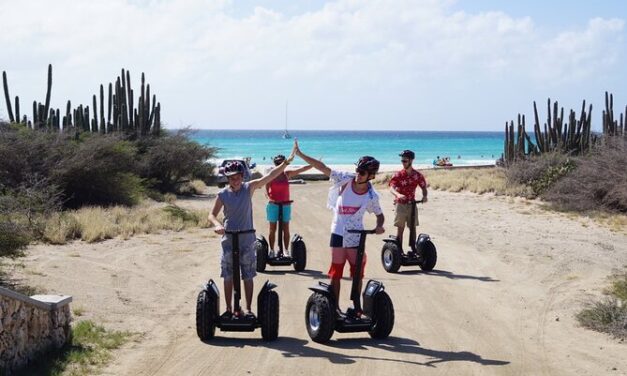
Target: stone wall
(30, 326)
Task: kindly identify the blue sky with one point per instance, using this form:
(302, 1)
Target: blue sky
(346, 64)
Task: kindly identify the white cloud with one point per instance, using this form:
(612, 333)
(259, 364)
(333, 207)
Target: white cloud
(209, 66)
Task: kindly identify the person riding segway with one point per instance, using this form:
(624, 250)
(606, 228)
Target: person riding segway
(278, 212)
(349, 198)
(236, 201)
(403, 186)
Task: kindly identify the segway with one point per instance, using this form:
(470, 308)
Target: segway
(323, 317)
(298, 256)
(423, 252)
(208, 306)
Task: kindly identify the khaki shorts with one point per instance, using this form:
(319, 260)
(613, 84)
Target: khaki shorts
(402, 215)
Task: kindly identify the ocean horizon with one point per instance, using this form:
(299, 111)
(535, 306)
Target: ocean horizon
(464, 148)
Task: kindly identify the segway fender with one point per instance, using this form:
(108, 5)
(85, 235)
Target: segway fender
(296, 238)
(212, 289)
(391, 239)
(261, 239)
(268, 286)
(324, 289)
(422, 240)
(370, 292)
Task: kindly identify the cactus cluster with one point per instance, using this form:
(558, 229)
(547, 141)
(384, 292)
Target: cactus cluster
(122, 115)
(611, 126)
(572, 136)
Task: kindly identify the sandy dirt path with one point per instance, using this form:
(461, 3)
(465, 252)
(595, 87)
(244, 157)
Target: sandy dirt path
(509, 279)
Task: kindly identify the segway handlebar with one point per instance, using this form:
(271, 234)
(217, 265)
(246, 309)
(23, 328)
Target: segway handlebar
(362, 231)
(239, 232)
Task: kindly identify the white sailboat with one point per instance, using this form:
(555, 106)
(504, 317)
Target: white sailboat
(286, 134)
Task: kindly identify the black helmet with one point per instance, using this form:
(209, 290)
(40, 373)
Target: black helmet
(233, 167)
(407, 154)
(278, 159)
(368, 163)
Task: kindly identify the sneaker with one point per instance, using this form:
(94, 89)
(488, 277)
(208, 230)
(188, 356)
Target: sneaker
(250, 315)
(227, 315)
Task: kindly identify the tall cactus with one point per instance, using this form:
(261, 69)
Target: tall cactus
(7, 97)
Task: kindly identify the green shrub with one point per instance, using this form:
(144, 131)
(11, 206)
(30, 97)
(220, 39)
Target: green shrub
(13, 238)
(167, 161)
(99, 171)
(540, 172)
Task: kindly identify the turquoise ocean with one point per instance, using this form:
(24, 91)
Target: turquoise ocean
(345, 147)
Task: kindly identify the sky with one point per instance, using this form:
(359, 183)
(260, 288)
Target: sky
(461, 65)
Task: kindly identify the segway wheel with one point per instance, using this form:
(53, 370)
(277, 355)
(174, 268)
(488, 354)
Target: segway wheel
(429, 256)
(262, 256)
(320, 317)
(383, 316)
(391, 257)
(299, 253)
(205, 316)
(269, 316)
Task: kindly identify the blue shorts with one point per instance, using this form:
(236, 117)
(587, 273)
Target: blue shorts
(272, 212)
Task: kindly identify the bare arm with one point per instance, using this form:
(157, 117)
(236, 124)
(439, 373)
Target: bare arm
(257, 183)
(424, 194)
(297, 171)
(254, 184)
(318, 165)
(213, 216)
(380, 221)
(396, 193)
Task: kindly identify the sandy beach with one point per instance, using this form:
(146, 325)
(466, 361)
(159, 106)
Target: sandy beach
(501, 301)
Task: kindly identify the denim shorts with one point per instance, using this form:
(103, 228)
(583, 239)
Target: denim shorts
(247, 262)
(272, 212)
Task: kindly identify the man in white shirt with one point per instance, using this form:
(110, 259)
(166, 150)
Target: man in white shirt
(350, 197)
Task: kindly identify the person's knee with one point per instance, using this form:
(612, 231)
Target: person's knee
(336, 271)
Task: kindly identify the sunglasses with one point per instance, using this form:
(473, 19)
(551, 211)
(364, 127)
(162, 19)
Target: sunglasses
(405, 160)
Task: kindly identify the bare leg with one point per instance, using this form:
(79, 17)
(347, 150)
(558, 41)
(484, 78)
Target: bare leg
(335, 284)
(399, 234)
(228, 292)
(272, 234)
(248, 290)
(286, 235)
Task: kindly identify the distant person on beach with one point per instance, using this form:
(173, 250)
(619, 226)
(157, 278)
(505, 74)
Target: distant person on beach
(278, 190)
(350, 197)
(236, 200)
(403, 186)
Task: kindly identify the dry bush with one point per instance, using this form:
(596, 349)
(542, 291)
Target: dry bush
(193, 187)
(610, 314)
(598, 183)
(93, 224)
(539, 173)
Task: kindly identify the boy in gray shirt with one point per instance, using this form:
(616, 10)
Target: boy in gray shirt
(236, 199)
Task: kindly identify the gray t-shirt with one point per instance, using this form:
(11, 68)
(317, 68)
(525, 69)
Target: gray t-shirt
(238, 215)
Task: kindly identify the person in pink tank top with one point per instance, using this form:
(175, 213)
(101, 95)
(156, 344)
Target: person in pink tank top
(278, 190)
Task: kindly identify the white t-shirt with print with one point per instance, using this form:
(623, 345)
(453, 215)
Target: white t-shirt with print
(350, 207)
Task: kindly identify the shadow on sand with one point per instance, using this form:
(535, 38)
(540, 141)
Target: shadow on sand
(298, 348)
(449, 275)
(315, 274)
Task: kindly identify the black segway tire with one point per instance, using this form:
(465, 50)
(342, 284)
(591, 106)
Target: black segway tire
(269, 316)
(205, 316)
(383, 316)
(299, 253)
(429, 256)
(262, 256)
(320, 317)
(391, 257)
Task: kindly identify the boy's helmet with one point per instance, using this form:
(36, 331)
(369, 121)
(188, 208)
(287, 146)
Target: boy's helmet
(368, 164)
(278, 159)
(233, 167)
(407, 154)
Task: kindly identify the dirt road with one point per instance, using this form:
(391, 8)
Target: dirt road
(509, 279)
